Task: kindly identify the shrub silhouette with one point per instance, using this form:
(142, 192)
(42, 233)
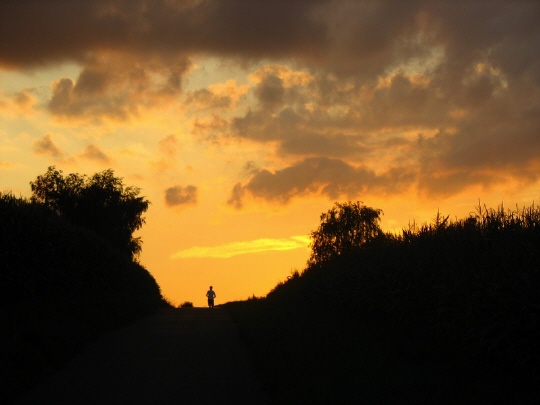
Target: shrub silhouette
(100, 202)
(61, 284)
(445, 312)
(345, 227)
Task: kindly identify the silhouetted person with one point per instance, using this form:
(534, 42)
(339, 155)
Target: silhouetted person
(211, 295)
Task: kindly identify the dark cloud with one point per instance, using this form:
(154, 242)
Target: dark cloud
(218, 97)
(46, 146)
(212, 127)
(483, 150)
(207, 99)
(465, 77)
(353, 38)
(331, 145)
(307, 125)
(251, 168)
(93, 152)
(237, 195)
(117, 88)
(301, 132)
(270, 92)
(180, 195)
(330, 177)
(35, 33)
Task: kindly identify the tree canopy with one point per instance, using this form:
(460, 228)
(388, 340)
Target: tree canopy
(343, 228)
(100, 202)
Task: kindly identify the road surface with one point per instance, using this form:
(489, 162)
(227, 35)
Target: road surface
(177, 356)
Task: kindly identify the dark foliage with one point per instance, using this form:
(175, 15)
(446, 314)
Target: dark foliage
(100, 203)
(60, 286)
(345, 227)
(443, 313)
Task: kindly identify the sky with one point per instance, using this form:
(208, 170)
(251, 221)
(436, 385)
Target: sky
(243, 121)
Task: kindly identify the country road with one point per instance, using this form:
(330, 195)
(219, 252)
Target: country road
(177, 356)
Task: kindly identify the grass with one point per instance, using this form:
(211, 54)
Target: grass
(443, 313)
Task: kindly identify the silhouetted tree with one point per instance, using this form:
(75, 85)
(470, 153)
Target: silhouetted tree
(100, 203)
(345, 227)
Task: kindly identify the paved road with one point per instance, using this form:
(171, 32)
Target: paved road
(178, 356)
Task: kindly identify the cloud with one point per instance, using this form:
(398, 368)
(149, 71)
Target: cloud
(117, 87)
(353, 38)
(207, 99)
(318, 117)
(211, 127)
(270, 92)
(93, 152)
(276, 84)
(470, 129)
(22, 102)
(241, 248)
(217, 96)
(443, 95)
(301, 132)
(180, 195)
(237, 196)
(330, 177)
(46, 146)
(168, 146)
(35, 33)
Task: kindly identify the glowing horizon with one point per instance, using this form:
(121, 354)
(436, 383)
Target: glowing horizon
(231, 249)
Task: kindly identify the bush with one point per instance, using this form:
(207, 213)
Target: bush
(442, 312)
(60, 286)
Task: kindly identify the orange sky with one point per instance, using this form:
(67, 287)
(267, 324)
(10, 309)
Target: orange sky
(243, 121)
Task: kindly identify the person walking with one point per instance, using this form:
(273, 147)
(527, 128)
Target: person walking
(211, 295)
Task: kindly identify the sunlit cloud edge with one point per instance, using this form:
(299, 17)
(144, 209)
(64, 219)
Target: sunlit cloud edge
(228, 250)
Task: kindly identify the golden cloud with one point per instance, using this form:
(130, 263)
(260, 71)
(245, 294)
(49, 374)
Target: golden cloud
(46, 146)
(117, 87)
(241, 248)
(21, 103)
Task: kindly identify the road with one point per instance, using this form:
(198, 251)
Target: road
(177, 356)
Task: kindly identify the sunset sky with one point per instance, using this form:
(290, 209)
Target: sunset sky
(243, 121)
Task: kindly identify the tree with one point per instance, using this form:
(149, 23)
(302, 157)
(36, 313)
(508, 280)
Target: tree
(345, 227)
(100, 203)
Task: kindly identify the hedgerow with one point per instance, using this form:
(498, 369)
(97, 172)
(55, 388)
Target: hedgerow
(443, 312)
(60, 286)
